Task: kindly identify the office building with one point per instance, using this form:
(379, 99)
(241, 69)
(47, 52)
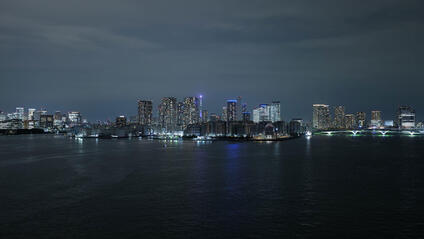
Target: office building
(46, 121)
(121, 121)
(406, 117)
(20, 113)
(74, 118)
(275, 111)
(262, 113)
(57, 119)
(31, 113)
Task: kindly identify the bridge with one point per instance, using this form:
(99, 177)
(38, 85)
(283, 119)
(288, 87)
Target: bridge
(372, 132)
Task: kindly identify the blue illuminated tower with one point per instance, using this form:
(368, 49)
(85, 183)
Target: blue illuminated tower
(201, 108)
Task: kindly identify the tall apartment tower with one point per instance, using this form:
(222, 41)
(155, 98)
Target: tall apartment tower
(376, 121)
(145, 112)
(224, 114)
(239, 109)
(191, 111)
(168, 114)
(231, 110)
(349, 121)
(339, 117)
(321, 116)
(180, 115)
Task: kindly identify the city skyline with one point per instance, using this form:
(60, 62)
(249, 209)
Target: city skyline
(391, 114)
(177, 114)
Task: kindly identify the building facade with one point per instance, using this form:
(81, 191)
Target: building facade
(321, 116)
(168, 114)
(275, 111)
(191, 111)
(145, 112)
(405, 117)
(339, 117)
(231, 110)
(376, 121)
(361, 120)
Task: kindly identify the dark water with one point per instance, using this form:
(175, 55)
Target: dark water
(340, 186)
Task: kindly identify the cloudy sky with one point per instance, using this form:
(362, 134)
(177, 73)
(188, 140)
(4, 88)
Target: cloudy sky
(100, 56)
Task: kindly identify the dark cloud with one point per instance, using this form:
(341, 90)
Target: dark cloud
(101, 56)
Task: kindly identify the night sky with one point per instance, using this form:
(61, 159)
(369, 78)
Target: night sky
(100, 56)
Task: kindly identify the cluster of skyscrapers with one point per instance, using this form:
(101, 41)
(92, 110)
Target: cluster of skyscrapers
(322, 119)
(188, 117)
(39, 119)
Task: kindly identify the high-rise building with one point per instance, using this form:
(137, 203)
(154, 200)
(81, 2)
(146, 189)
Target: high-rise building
(262, 113)
(3, 116)
(239, 109)
(201, 118)
(224, 113)
(121, 121)
(246, 116)
(168, 114)
(275, 111)
(405, 117)
(339, 117)
(191, 111)
(361, 120)
(74, 117)
(205, 116)
(350, 121)
(145, 112)
(46, 121)
(231, 110)
(57, 115)
(180, 115)
(57, 119)
(31, 113)
(321, 116)
(256, 113)
(20, 113)
(376, 121)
